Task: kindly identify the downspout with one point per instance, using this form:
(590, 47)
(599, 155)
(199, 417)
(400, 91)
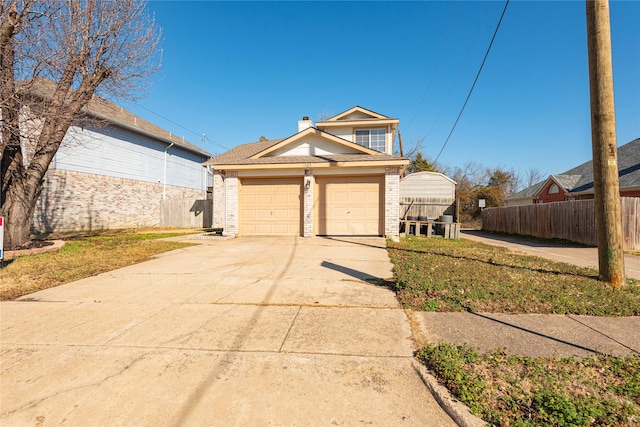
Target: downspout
(164, 178)
(224, 185)
(213, 194)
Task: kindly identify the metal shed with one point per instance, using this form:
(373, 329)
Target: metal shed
(427, 195)
(431, 185)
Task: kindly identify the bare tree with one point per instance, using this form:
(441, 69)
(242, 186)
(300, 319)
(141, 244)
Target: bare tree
(55, 56)
(532, 176)
(414, 146)
(325, 115)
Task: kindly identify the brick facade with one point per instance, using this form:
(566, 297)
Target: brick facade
(307, 200)
(72, 201)
(392, 202)
(226, 203)
(231, 194)
(635, 193)
(546, 197)
(218, 201)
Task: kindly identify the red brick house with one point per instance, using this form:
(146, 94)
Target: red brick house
(577, 183)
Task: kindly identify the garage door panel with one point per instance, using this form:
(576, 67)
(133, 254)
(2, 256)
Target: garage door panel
(349, 205)
(263, 198)
(270, 206)
(282, 199)
(359, 197)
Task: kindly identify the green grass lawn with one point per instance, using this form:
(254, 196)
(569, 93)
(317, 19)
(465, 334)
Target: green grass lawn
(506, 390)
(82, 256)
(461, 275)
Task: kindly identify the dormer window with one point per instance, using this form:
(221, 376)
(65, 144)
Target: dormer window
(371, 138)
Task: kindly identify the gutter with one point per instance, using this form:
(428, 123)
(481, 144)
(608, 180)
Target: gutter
(155, 136)
(42, 94)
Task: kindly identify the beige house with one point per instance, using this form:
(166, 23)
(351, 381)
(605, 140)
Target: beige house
(335, 178)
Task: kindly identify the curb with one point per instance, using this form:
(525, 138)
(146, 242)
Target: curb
(57, 244)
(458, 411)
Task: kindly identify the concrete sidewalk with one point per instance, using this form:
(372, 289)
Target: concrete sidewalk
(534, 335)
(571, 254)
(537, 335)
(274, 331)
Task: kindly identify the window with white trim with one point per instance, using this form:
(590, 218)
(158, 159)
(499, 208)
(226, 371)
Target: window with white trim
(371, 138)
(554, 189)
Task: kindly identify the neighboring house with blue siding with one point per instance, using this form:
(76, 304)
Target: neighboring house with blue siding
(118, 174)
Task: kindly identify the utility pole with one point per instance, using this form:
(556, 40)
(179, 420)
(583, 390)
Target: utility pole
(603, 141)
(401, 153)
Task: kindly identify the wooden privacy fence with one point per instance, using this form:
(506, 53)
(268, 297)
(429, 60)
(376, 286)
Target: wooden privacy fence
(186, 213)
(426, 207)
(573, 221)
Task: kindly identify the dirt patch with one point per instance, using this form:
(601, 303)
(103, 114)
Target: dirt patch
(31, 244)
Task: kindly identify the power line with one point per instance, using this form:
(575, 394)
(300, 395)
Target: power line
(435, 70)
(182, 127)
(459, 73)
(474, 82)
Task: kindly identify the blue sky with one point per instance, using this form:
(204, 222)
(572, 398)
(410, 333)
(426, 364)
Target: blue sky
(236, 71)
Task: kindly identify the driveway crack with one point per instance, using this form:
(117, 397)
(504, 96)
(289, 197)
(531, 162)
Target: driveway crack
(289, 330)
(236, 290)
(35, 403)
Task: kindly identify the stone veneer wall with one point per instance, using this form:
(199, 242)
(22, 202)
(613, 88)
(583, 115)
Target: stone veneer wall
(308, 189)
(392, 202)
(231, 226)
(73, 201)
(218, 200)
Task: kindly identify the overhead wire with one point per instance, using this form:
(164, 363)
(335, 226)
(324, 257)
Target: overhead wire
(459, 73)
(436, 68)
(474, 81)
(183, 127)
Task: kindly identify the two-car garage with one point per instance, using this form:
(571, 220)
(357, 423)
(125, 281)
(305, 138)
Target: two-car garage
(342, 205)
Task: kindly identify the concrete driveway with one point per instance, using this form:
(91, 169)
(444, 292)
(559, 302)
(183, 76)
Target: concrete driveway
(274, 331)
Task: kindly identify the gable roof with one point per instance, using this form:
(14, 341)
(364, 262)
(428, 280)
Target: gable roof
(355, 109)
(243, 151)
(529, 192)
(580, 179)
(427, 175)
(313, 131)
(255, 153)
(343, 119)
(102, 109)
(628, 169)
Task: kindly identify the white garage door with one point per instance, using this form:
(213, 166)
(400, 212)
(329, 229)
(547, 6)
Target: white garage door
(270, 207)
(349, 205)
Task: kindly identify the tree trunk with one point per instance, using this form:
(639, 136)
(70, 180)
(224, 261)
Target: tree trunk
(83, 44)
(18, 211)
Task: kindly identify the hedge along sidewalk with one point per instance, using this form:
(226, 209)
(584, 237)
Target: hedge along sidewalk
(79, 258)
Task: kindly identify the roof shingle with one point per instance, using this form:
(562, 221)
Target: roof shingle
(580, 178)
